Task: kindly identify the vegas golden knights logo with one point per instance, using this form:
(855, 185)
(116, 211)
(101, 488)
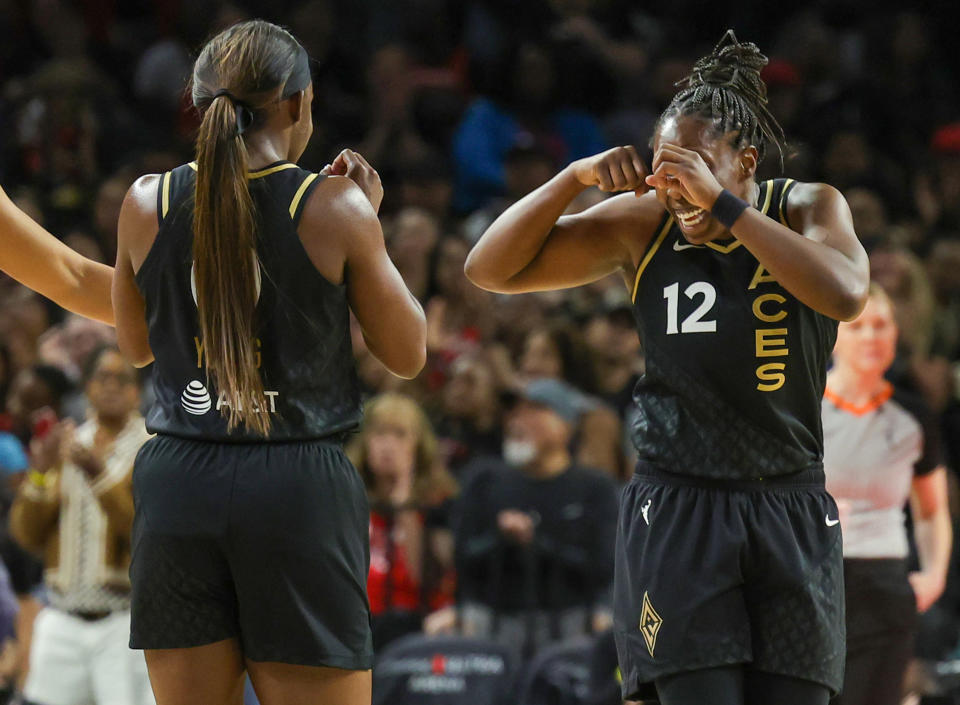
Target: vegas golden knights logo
(650, 623)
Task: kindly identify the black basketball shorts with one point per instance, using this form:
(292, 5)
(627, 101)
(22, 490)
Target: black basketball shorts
(714, 573)
(264, 542)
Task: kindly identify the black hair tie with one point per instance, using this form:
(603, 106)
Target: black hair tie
(243, 111)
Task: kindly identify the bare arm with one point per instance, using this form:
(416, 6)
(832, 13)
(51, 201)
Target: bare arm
(824, 266)
(136, 230)
(390, 317)
(530, 247)
(38, 260)
(933, 534)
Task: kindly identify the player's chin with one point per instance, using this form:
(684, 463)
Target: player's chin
(705, 231)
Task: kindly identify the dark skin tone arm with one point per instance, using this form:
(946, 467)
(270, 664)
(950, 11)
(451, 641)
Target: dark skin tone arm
(136, 231)
(342, 235)
(38, 260)
(531, 248)
(825, 267)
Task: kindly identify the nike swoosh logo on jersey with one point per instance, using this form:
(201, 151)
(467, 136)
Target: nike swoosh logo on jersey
(678, 247)
(831, 522)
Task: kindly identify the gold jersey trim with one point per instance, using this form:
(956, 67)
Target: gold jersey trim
(299, 194)
(650, 253)
(165, 199)
(262, 172)
(270, 170)
(783, 201)
(768, 185)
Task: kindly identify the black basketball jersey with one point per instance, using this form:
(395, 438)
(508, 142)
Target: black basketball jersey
(735, 365)
(302, 341)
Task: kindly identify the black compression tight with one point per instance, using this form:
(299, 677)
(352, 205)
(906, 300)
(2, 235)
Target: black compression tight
(736, 685)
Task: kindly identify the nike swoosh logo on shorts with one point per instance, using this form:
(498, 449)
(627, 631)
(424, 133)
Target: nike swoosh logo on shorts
(831, 522)
(678, 247)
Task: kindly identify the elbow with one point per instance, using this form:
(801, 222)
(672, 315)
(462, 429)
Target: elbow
(848, 309)
(137, 357)
(142, 361)
(137, 352)
(408, 361)
(418, 357)
(851, 302)
(411, 367)
(473, 270)
(854, 290)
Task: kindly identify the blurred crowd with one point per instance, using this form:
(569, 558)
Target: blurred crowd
(492, 476)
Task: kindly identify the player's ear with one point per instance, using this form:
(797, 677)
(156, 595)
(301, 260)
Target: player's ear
(748, 160)
(297, 106)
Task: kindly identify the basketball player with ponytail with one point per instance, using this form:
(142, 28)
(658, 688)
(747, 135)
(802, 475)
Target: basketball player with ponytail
(236, 274)
(728, 586)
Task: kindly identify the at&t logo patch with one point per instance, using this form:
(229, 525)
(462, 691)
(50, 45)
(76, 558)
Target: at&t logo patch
(196, 399)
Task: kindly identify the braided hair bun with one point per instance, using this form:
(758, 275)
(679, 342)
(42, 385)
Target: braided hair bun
(725, 87)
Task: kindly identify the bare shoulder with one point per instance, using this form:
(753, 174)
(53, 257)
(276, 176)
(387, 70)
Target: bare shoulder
(338, 205)
(811, 202)
(806, 194)
(337, 222)
(137, 226)
(818, 210)
(141, 197)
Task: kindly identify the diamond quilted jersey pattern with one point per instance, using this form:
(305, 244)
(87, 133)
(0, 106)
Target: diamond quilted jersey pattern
(173, 608)
(802, 632)
(703, 434)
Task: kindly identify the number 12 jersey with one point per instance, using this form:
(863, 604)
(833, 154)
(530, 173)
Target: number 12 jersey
(735, 364)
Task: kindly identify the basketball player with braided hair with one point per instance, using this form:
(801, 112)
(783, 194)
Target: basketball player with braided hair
(729, 585)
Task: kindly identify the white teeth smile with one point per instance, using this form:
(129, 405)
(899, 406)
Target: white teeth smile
(691, 218)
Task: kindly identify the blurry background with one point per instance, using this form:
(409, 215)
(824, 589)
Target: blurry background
(463, 106)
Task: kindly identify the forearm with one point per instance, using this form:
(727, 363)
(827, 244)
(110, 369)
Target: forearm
(39, 261)
(818, 275)
(402, 348)
(934, 537)
(518, 235)
(91, 296)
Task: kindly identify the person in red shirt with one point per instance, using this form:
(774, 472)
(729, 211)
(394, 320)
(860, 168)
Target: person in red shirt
(411, 546)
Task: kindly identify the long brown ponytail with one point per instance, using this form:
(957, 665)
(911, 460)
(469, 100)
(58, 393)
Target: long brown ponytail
(238, 72)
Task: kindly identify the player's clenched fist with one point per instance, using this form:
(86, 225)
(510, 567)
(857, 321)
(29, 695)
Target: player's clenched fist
(352, 165)
(617, 169)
